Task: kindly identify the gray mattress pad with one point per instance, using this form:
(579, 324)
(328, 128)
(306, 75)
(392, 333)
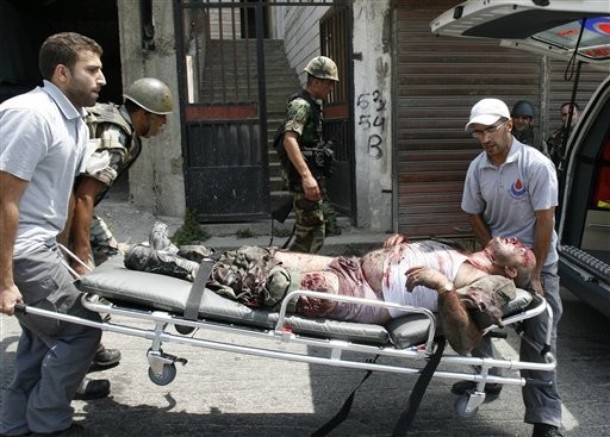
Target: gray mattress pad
(153, 292)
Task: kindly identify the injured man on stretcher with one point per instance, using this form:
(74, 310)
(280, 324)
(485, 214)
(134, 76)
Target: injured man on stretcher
(467, 291)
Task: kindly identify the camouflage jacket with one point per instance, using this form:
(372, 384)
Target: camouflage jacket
(303, 116)
(252, 276)
(114, 143)
(556, 144)
(531, 138)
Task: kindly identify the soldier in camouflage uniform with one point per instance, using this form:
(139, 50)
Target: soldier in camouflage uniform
(115, 133)
(300, 133)
(557, 138)
(523, 118)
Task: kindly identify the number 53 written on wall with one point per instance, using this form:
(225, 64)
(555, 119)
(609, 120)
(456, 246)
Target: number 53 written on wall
(372, 120)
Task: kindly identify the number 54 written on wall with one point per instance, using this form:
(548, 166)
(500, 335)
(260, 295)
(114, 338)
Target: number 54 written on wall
(372, 120)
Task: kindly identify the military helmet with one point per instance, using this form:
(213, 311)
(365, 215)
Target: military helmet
(523, 108)
(322, 68)
(152, 95)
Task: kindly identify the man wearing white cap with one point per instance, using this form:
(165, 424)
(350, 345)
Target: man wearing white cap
(511, 190)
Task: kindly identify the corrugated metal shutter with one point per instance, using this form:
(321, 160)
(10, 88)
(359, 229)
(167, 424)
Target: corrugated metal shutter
(439, 79)
(561, 89)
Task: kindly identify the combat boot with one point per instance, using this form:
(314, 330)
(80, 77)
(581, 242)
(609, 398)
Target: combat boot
(104, 359)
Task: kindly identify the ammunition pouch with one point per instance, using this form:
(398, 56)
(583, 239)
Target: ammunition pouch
(321, 158)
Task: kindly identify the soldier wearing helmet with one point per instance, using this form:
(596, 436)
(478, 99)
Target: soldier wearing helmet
(114, 132)
(523, 129)
(296, 137)
(558, 139)
(323, 68)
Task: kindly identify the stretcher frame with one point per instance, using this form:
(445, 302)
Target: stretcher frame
(162, 366)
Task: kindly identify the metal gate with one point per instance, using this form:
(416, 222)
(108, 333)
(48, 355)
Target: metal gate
(223, 102)
(335, 42)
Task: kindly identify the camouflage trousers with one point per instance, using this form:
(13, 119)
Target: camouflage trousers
(309, 225)
(330, 218)
(103, 243)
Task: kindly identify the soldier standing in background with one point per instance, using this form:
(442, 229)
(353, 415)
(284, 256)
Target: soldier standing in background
(523, 129)
(558, 138)
(305, 157)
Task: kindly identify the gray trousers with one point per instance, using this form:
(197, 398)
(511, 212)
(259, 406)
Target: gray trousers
(52, 357)
(542, 403)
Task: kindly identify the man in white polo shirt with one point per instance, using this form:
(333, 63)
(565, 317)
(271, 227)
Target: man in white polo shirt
(511, 190)
(43, 148)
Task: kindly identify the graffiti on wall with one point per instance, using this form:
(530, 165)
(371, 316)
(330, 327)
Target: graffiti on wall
(371, 118)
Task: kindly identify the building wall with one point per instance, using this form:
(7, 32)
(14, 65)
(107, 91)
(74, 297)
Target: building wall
(438, 79)
(559, 82)
(156, 179)
(403, 78)
(301, 25)
(373, 102)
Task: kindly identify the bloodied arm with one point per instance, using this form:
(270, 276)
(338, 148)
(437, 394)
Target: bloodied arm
(461, 332)
(459, 328)
(326, 282)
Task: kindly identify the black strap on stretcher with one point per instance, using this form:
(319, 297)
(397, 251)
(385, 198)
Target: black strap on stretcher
(406, 418)
(344, 411)
(191, 311)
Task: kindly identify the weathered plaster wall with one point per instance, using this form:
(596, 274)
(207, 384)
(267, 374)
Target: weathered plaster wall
(373, 113)
(302, 35)
(156, 179)
(299, 26)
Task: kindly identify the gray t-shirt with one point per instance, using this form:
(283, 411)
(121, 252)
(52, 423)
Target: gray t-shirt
(509, 196)
(43, 141)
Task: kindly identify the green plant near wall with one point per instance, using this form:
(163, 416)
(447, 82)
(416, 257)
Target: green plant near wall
(244, 233)
(190, 232)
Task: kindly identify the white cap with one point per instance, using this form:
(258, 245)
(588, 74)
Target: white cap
(487, 112)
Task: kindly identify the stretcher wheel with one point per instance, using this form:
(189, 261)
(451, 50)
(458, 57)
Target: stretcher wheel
(461, 407)
(167, 374)
(184, 330)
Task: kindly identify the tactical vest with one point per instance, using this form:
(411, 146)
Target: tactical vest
(526, 136)
(556, 145)
(98, 117)
(294, 179)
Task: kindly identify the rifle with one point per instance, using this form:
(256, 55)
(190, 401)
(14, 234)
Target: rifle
(322, 157)
(281, 214)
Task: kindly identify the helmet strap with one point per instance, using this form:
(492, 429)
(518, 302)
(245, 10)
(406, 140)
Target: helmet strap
(150, 118)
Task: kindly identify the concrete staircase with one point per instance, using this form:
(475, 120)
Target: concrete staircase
(231, 75)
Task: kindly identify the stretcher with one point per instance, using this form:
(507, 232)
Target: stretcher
(114, 290)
